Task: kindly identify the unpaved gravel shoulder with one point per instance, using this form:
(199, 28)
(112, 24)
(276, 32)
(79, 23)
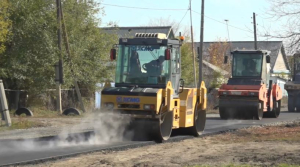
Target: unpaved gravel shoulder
(263, 146)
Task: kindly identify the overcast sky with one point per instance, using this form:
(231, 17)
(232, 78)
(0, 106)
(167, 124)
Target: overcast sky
(238, 12)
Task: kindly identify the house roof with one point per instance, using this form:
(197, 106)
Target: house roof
(130, 31)
(274, 46)
(215, 68)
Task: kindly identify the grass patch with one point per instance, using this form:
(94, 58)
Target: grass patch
(42, 112)
(21, 123)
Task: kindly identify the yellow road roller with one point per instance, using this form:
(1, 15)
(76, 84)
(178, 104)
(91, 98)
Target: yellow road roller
(149, 88)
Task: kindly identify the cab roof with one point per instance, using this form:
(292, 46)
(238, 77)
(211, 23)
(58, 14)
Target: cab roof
(148, 41)
(252, 51)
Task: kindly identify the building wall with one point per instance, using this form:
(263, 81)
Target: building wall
(280, 69)
(279, 63)
(281, 83)
(98, 94)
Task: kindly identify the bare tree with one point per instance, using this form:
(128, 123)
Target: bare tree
(216, 52)
(176, 26)
(289, 12)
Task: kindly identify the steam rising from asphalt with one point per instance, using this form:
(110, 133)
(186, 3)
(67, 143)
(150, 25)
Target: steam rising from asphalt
(107, 127)
(104, 128)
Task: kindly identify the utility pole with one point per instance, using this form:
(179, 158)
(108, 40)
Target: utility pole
(193, 46)
(66, 42)
(3, 106)
(228, 33)
(60, 63)
(254, 27)
(201, 43)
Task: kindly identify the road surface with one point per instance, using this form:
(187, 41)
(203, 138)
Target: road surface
(20, 152)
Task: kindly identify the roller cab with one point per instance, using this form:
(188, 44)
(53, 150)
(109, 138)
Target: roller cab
(293, 86)
(149, 89)
(249, 93)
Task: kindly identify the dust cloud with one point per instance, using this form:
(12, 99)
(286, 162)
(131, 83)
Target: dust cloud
(107, 127)
(99, 127)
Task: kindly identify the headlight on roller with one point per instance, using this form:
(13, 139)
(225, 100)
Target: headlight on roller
(109, 105)
(149, 107)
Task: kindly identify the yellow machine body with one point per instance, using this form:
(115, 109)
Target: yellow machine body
(183, 107)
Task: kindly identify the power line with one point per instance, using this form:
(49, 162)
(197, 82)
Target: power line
(143, 8)
(183, 17)
(132, 7)
(177, 25)
(224, 23)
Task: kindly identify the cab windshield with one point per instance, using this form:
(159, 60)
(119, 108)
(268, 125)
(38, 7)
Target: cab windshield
(247, 65)
(141, 65)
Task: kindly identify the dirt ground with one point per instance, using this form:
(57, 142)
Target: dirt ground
(259, 146)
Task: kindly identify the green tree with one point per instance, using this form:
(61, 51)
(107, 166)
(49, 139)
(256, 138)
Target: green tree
(187, 72)
(5, 24)
(217, 79)
(89, 46)
(32, 52)
(30, 55)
